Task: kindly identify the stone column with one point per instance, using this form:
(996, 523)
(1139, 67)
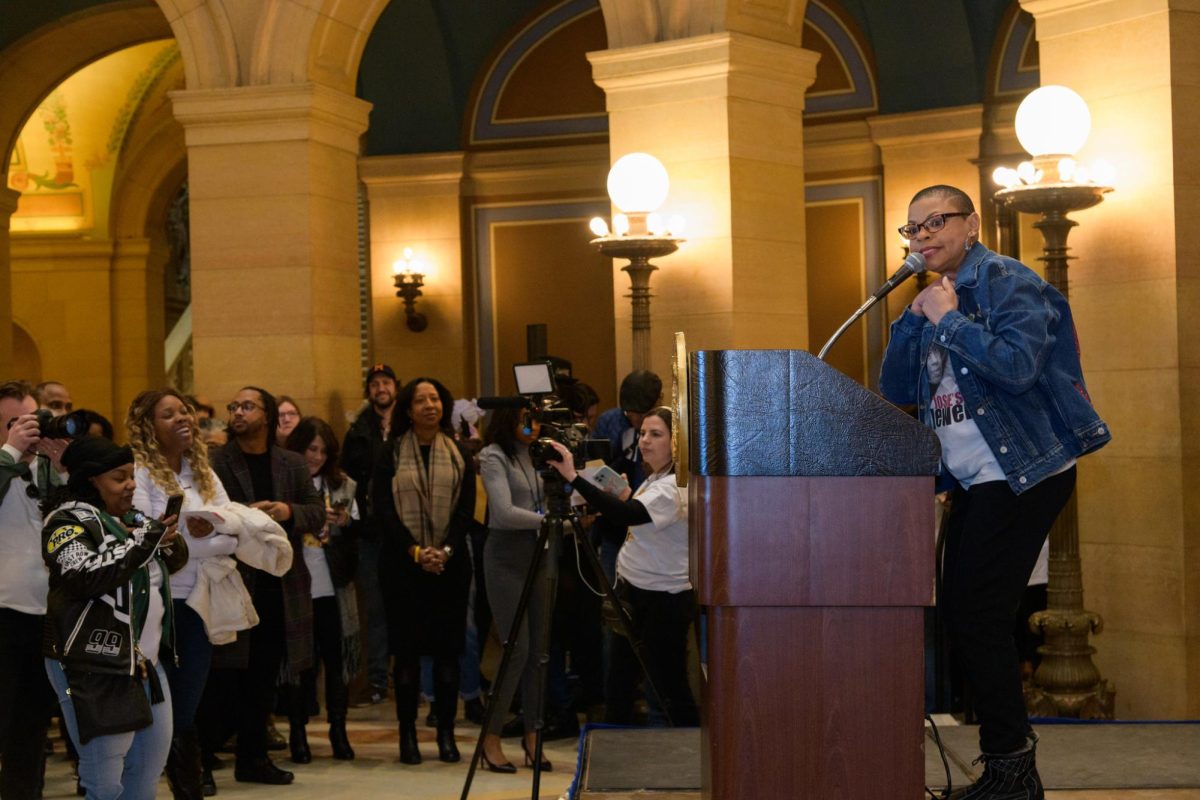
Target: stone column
(1134, 292)
(8, 204)
(723, 114)
(272, 174)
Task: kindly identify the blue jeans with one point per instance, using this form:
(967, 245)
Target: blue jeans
(195, 656)
(122, 765)
(377, 632)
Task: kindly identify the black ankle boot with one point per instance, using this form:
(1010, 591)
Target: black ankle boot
(184, 773)
(447, 747)
(342, 750)
(298, 743)
(409, 752)
(1008, 776)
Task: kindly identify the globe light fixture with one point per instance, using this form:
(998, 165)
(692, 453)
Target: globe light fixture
(638, 186)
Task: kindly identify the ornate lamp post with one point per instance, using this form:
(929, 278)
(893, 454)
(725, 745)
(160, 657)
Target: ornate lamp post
(638, 185)
(1052, 123)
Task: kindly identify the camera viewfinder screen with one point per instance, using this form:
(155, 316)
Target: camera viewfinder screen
(535, 378)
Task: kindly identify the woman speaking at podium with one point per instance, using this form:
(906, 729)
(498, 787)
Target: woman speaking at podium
(989, 355)
(652, 575)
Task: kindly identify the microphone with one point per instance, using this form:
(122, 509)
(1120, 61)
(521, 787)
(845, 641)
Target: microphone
(489, 403)
(914, 264)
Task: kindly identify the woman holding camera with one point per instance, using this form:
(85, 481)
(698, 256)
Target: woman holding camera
(515, 507)
(425, 569)
(109, 614)
(652, 575)
(171, 460)
(329, 556)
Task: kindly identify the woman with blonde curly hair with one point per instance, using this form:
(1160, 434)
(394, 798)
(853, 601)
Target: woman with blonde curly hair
(170, 460)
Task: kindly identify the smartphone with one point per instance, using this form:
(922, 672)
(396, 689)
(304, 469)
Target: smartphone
(174, 505)
(608, 480)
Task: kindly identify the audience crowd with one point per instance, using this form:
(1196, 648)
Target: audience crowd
(179, 593)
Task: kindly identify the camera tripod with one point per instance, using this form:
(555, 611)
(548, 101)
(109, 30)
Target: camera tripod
(549, 543)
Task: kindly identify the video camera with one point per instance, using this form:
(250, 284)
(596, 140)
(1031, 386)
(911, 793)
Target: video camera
(536, 392)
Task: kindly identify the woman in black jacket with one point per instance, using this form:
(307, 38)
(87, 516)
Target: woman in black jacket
(425, 568)
(109, 620)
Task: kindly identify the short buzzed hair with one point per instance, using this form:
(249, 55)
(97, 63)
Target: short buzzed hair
(955, 194)
(39, 390)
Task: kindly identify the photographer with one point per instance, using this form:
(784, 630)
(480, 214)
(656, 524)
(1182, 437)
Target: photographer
(28, 467)
(515, 508)
(114, 697)
(652, 575)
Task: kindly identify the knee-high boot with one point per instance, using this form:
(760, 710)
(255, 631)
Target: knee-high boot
(183, 766)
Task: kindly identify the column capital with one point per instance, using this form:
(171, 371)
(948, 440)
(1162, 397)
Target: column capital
(252, 114)
(635, 22)
(1064, 17)
(717, 64)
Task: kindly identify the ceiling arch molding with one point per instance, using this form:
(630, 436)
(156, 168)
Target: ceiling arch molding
(845, 83)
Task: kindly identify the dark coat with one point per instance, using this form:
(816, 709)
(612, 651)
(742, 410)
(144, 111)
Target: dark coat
(293, 486)
(365, 454)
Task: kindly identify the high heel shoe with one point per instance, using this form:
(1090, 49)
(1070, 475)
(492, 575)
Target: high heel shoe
(506, 768)
(546, 765)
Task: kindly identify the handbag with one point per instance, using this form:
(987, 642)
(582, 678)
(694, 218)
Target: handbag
(105, 703)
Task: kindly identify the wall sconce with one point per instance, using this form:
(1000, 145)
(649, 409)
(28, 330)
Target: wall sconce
(409, 276)
(638, 186)
(1053, 123)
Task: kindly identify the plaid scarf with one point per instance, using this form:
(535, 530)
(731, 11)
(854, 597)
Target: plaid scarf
(425, 498)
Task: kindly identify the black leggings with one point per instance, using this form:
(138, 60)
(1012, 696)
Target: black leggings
(661, 621)
(993, 539)
(327, 640)
(407, 676)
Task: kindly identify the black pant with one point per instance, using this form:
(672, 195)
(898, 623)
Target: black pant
(327, 640)
(660, 625)
(993, 538)
(256, 684)
(25, 702)
(407, 677)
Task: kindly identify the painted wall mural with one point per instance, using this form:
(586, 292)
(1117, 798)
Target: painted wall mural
(65, 158)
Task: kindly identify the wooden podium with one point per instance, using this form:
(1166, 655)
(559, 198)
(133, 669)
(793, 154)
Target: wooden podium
(812, 535)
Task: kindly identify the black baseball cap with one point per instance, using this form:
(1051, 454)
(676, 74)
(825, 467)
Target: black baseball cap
(380, 369)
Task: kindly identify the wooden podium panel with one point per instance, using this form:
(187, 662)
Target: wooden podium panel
(797, 541)
(813, 703)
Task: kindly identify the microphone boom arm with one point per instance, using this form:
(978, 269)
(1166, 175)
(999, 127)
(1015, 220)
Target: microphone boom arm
(913, 265)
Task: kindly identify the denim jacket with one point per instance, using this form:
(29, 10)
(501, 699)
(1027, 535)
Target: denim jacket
(1014, 350)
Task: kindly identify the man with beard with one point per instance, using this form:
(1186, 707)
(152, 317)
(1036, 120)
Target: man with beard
(368, 441)
(257, 472)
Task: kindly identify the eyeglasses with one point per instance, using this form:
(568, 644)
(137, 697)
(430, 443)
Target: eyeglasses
(933, 224)
(246, 407)
(289, 414)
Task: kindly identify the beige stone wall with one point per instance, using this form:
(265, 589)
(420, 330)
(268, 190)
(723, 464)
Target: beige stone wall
(1133, 292)
(62, 296)
(414, 201)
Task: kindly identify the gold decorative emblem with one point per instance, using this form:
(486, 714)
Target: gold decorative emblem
(680, 433)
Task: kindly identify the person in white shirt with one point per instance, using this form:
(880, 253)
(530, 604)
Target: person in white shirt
(331, 560)
(652, 576)
(172, 460)
(25, 474)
